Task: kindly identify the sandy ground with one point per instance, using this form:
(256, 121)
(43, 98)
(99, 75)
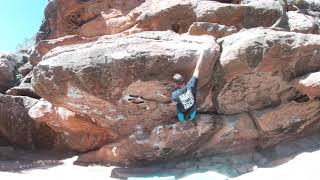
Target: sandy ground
(65, 171)
(302, 167)
(296, 160)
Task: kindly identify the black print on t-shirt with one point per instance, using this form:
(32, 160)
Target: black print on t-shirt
(187, 99)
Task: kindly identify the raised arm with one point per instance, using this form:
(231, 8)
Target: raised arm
(200, 59)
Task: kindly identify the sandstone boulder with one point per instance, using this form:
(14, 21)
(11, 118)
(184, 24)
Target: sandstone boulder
(309, 85)
(96, 18)
(43, 47)
(302, 23)
(82, 22)
(264, 128)
(237, 134)
(32, 124)
(104, 69)
(162, 143)
(252, 14)
(77, 132)
(15, 123)
(213, 29)
(286, 121)
(65, 17)
(91, 78)
(258, 66)
(151, 15)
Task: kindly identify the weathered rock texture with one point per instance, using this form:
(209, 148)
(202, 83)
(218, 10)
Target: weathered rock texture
(18, 127)
(259, 65)
(118, 18)
(104, 69)
(161, 144)
(213, 29)
(12, 69)
(24, 88)
(313, 5)
(7, 72)
(93, 81)
(78, 132)
(309, 85)
(302, 23)
(94, 18)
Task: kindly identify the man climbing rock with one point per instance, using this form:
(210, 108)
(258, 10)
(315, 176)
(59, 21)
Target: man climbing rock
(185, 94)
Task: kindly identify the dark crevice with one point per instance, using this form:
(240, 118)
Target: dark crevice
(47, 139)
(175, 28)
(166, 150)
(135, 99)
(255, 123)
(4, 141)
(77, 19)
(292, 94)
(301, 98)
(133, 96)
(28, 80)
(218, 83)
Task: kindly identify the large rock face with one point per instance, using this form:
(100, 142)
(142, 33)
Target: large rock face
(120, 92)
(93, 18)
(65, 17)
(104, 70)
(85, 20)
(91, 80)
(162, 143)
(259, 65)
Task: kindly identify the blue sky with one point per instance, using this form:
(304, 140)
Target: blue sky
(19, 19)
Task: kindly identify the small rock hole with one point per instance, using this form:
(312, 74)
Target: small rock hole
(175, 28)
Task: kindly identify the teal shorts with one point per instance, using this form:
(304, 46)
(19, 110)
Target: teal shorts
(181, 116)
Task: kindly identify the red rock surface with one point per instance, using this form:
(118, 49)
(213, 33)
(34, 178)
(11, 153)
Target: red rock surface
(78, 132)
(104, 70)
(309, 85)
(259, 66)
(213, 29)
(96, 18)
(19, 128)
(95, 83)
(162, 143)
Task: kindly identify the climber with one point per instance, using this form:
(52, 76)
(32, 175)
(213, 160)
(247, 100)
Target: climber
(185, 94)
